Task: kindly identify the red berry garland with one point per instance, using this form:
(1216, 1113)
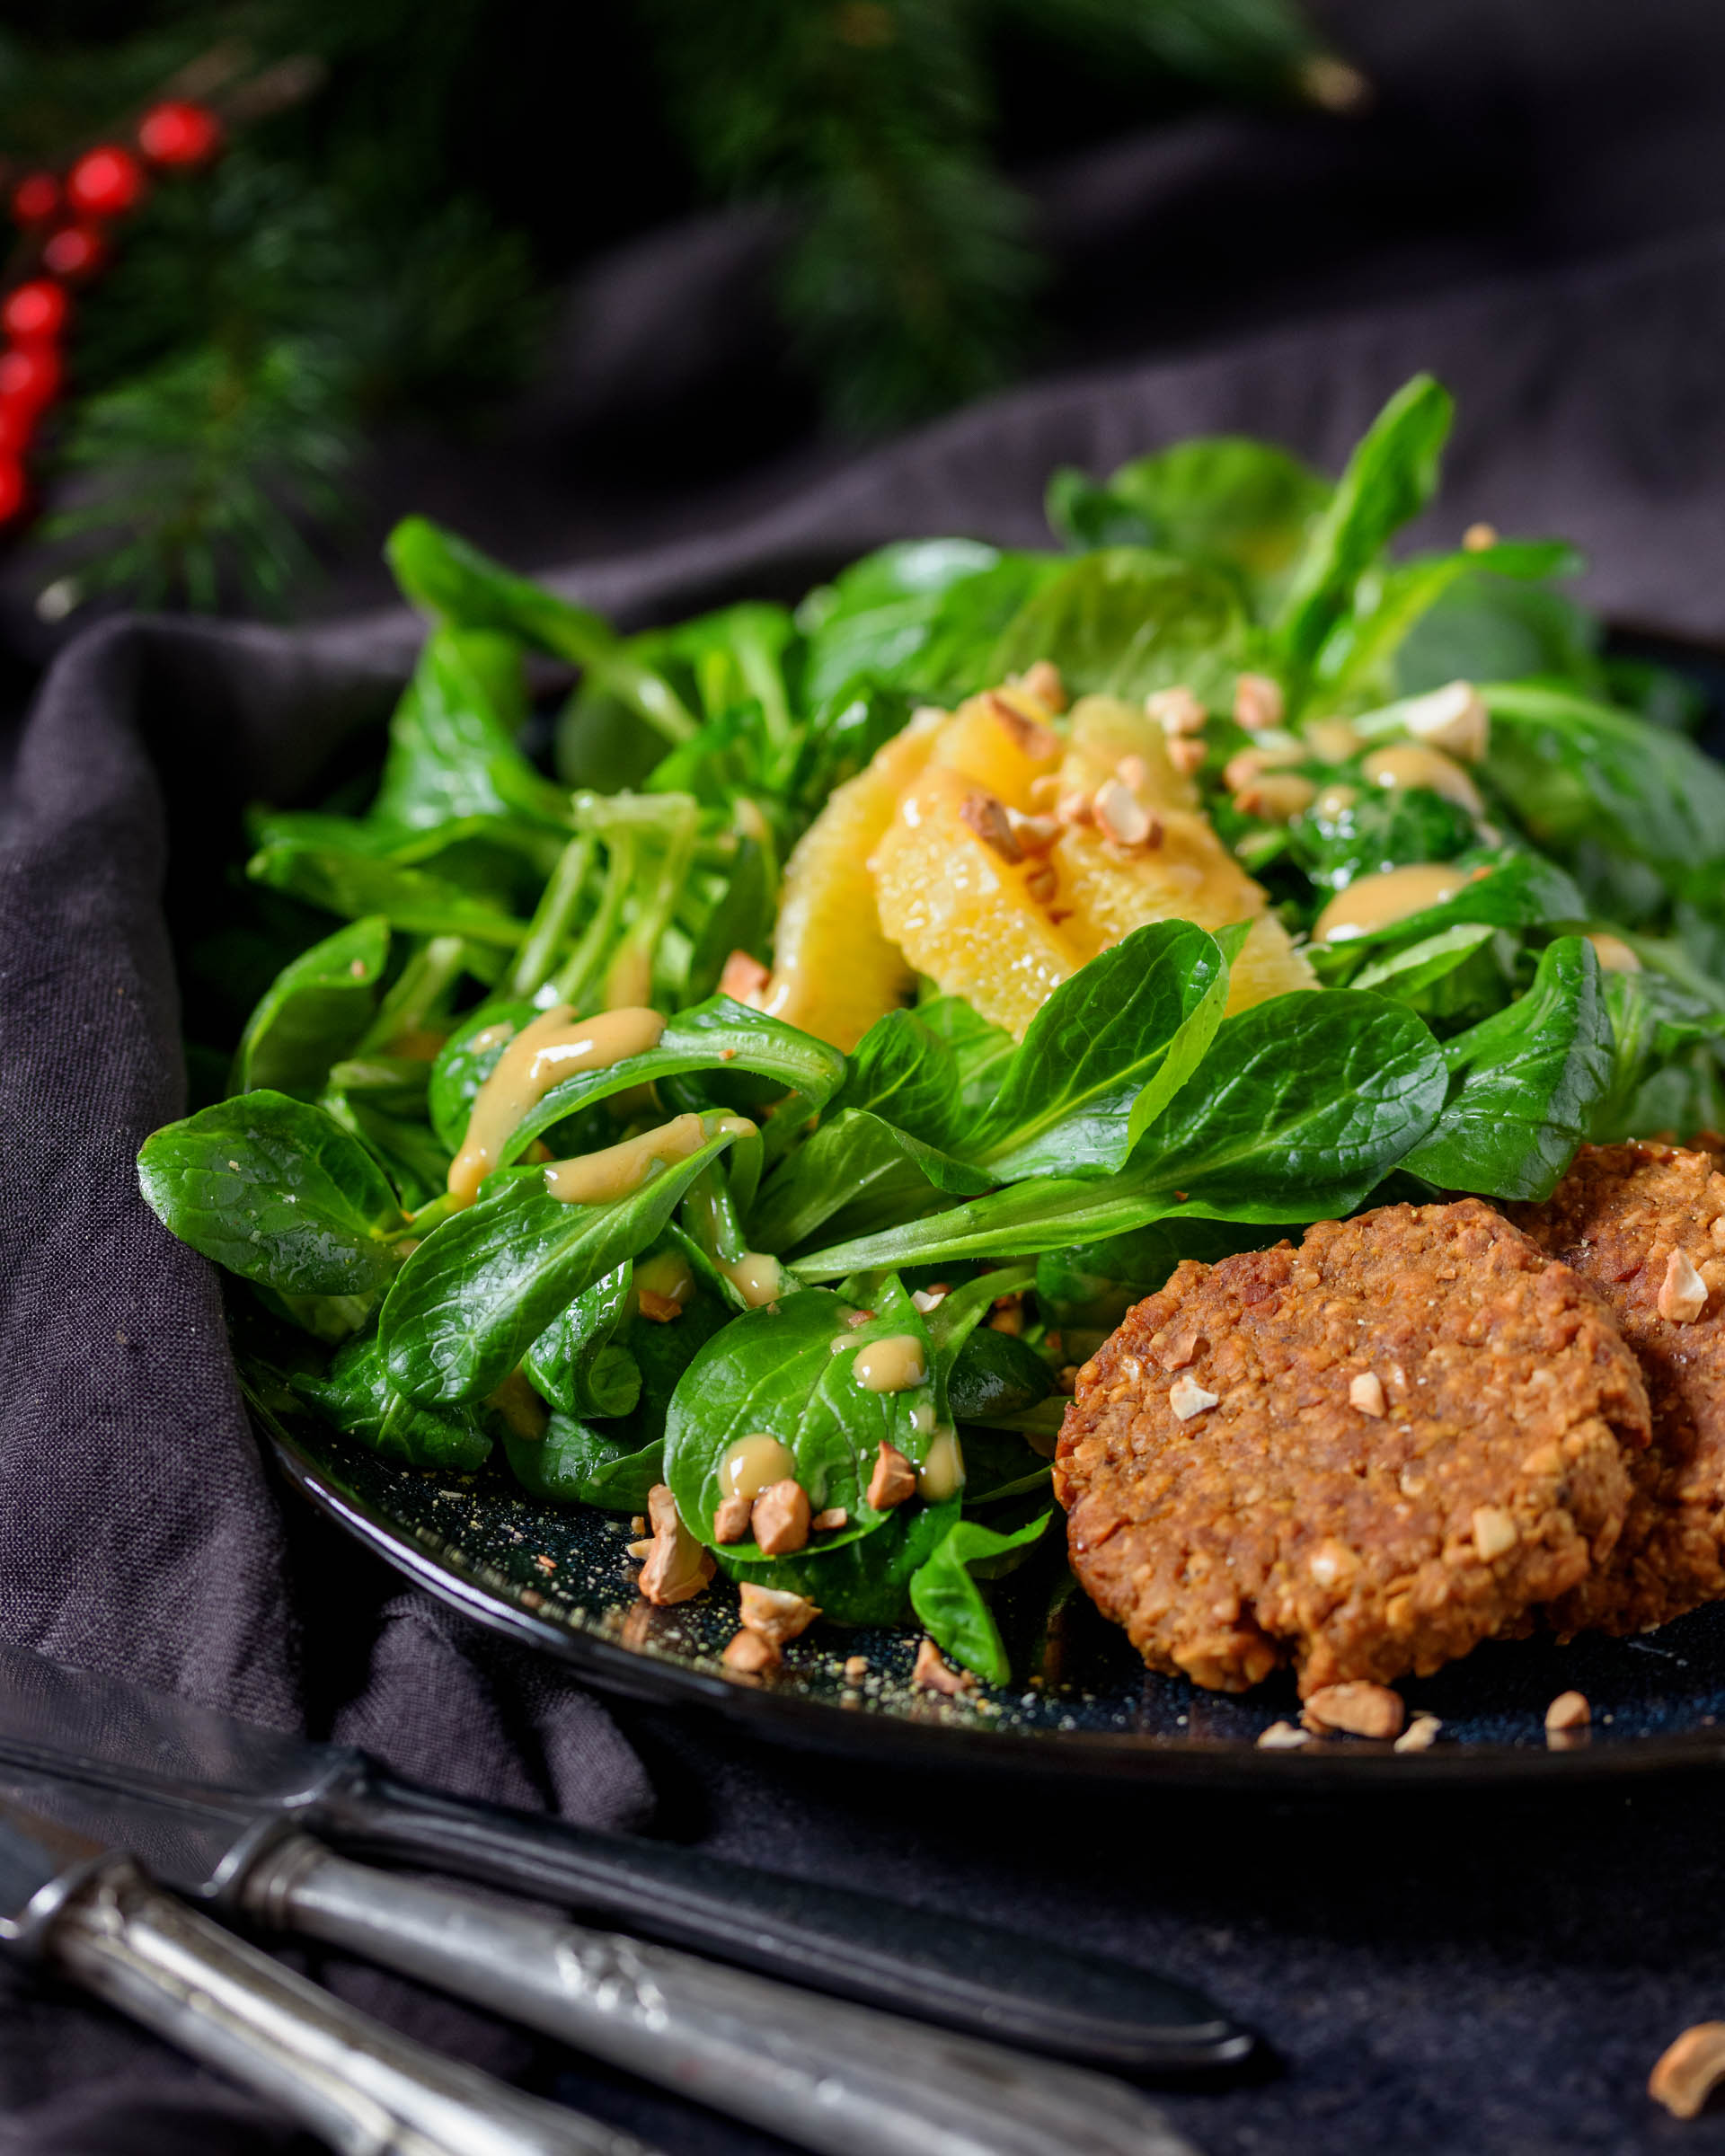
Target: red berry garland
(103, 183)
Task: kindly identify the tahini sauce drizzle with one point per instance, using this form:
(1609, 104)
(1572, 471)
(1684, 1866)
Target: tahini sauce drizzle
(749, 1466)
(941, 1475)
(891, 1365)
(552, 1047)
(757, 1277)
(1412, 764)
(596, 1179)
(1372, 902)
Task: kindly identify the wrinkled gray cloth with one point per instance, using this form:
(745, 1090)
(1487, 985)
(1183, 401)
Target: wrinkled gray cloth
(1456, 1979)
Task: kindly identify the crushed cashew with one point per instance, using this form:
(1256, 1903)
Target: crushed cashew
(988, 818)
(780, 1518)
(1176, 711)
(934, 1674)
(1689, 2070)
(1356, 1709)
(1187, 755)
(930, 1298)
(1028, 734)
(1033, 833)
(1123, 817)
(856, 1667)
(1494, 1531)
(1041, 679)
(1277, 797)
(1683, 1293)
(677, 1567)
(1282, 1737)
(1568, 1710)
(1257, 702)
(730, 1518)
(1187, 1398)
(774, 1613)
(893, 1481)
(1477, 537)
(1419, 1735)
(1365, 1392)
(751, 1653)
(744, 979)
(659, 1310)
(830, 1521)
(1454, 717)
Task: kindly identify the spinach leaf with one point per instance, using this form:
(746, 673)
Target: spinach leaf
(1390, 478)
(346, 875)
(1405, 973)
(1389, 828)
(857, 1164)
(1532, 1077)
(1235, 504)
(950, 1604)
(1490, 628)
(1126, 622)
(994, 1375)
(856, 1582)
(484, 1286)
(1654, 1022)
(921, 614)
(1104, 1055)
(902, 1071)
(357, 1397)
(367, 1100)
(276, 1191)
(839, 738)
(1303, 1106)
(454, 581)
(315, 1013)
(576, 1363)
(573, 1464)
(1090, 1286)
(1359, 651)
(452, 741)
(789, 1373)
(1574, 770)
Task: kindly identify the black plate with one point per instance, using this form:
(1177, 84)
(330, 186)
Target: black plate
(558, 1577)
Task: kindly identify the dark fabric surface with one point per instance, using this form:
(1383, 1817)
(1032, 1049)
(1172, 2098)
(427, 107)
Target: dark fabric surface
(1482, 1975)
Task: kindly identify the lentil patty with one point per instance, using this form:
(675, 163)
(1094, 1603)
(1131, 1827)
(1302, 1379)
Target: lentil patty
(1618, 1217)
(1418, 1434)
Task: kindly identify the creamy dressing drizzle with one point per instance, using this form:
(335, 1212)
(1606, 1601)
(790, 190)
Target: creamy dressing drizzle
(941, 1475)
(891, 1365)
(1372, 902)
(749, 1466)
(668, 1274)
(1411, 764)
(519, 1405)
(596, 1179)
(552, 1047)
(758, 1278)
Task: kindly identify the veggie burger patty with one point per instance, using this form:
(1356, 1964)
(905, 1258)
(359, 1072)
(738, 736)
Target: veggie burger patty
(1363, 1455)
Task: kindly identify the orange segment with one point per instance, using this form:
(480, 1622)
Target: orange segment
(1003, 740)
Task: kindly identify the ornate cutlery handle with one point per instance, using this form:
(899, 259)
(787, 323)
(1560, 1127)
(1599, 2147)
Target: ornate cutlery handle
(842, 2080)
(365, 2090)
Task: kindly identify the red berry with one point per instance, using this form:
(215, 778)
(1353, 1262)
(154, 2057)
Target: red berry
(75, 251)
(16, 427)
(177, 133)
(29, 376)
(35, 313)
(105, 182)
(13, 488)
(36, 198)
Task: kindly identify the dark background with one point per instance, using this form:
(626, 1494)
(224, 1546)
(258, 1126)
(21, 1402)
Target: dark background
(1535, 208)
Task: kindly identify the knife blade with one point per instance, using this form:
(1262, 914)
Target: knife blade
(983, 1979)
(837, 2078)
(88, 1913)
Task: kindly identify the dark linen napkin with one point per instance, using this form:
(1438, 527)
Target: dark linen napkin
(1435, 1978)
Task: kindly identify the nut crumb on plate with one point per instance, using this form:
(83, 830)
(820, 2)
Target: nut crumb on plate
(1689, 2070)
(1569, 1710)
(1355, 1710)
(934, 1674)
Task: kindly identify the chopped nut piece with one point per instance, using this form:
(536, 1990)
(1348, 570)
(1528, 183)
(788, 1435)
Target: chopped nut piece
(1045, 791)
(1042, 680)
(1454, 717)
(1041, 881)
(780, 1518)
(662, 1310)
(1249, 765)
(1569, 1710)
(893, 1481)
(1282, 1737)
(1689, 2070)
(775, 1612)
(1419, 1734)
(1187, 755)
(1075, 807)
(1123, 817)
(936, 1675)
(730, 1518)
(1332, 1560)
(1357, 1710)
(1133, 772)
(1258, 702)
(751, 1653)
(1683, 1293)
(830, 1521)
(1006, 1314)
(1028, 734)
(930, 1298)
(1494, 1531)
(1477, 537)
(856, 1667)
(1277, 797)
(676, 1565)
(643, 1548)
(1365, 1392)
(744, 978)
(988, 818)
(638, 1524)
(1176, 711)
(1034, 833)
(1187, 1398)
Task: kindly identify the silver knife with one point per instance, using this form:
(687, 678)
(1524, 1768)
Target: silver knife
(838, 2078)
(89, 1914)
(978, 1978)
